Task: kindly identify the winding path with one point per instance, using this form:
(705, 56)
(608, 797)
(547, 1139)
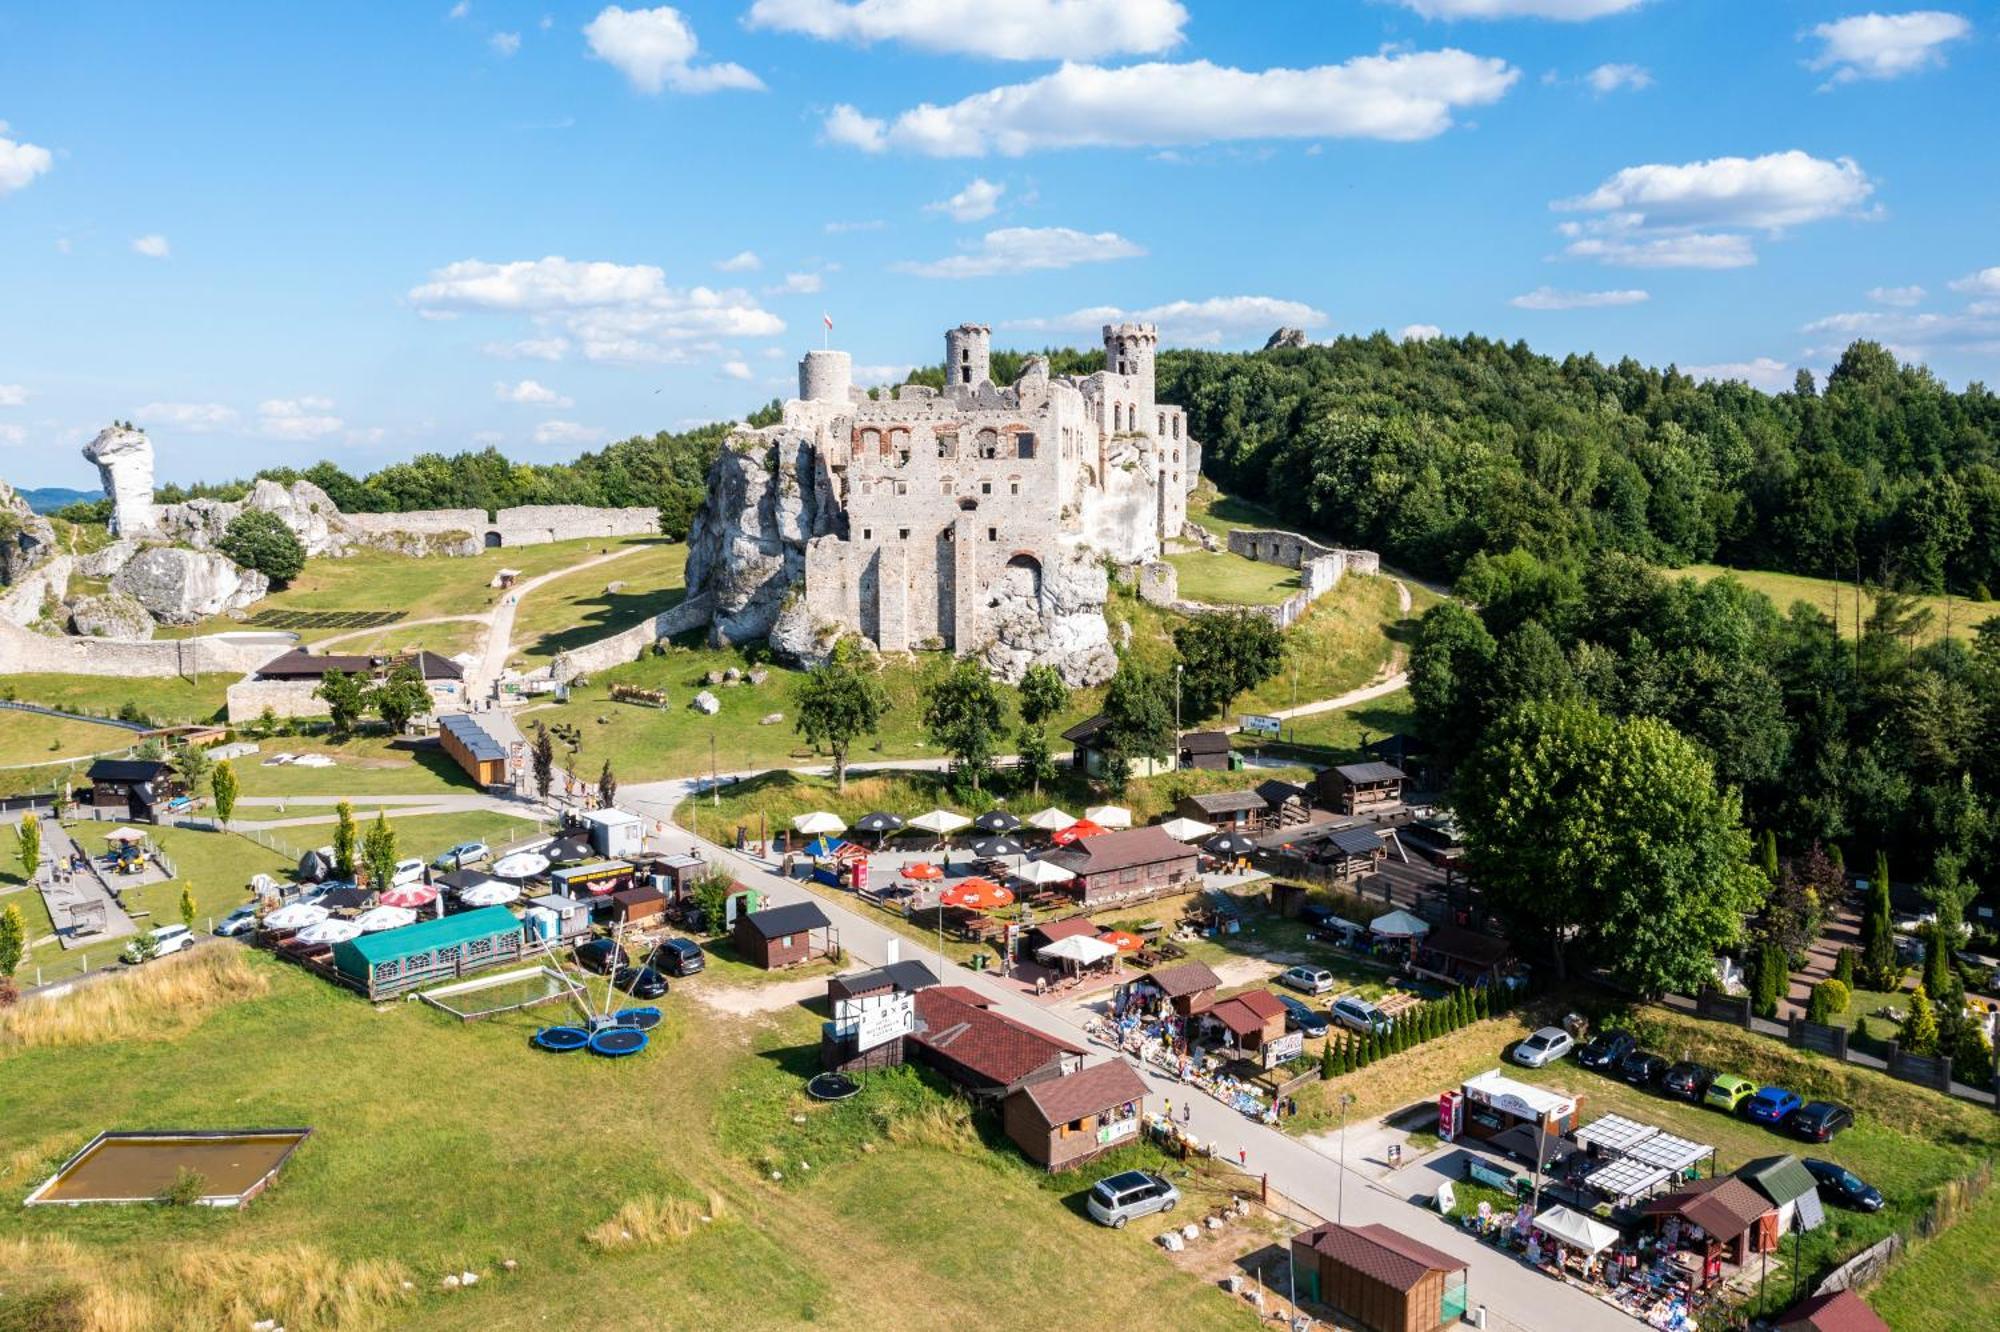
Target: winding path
(482, 680)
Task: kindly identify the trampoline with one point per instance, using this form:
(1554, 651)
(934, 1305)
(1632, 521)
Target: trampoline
(560, 1040)
(617, 1042)
(639, 1019)
(831, 1087)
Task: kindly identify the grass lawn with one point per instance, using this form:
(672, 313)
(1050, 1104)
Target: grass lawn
(1353, 635)
(440, 1147)
(1221, 578)
(447, 639)
(1825, 596)
(171, 699)
(420, 835)
(1223, 514)
(31, 738)
(363, 765)
(577, 609)
(1948, 1283)
(1325, 738)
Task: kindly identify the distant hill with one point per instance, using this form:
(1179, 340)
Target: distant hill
(50, 498)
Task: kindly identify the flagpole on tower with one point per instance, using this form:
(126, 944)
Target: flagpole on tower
(826, 337)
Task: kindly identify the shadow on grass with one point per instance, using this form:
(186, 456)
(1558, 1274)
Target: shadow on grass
(429, 755)
(604, 614)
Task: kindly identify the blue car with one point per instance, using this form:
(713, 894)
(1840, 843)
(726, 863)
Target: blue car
(1771, 1105)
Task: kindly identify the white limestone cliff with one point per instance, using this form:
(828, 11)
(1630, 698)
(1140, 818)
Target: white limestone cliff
(124, 459)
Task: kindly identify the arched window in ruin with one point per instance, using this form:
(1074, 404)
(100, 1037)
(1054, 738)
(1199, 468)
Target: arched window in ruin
(1024, 443)
(1023, 576)
(1117, 417)
(871, 439)
(989, 443)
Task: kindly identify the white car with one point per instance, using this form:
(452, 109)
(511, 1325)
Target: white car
(1307, 980)
(462, 855)
(1543, 1048)
(407, 871)
(166, 939)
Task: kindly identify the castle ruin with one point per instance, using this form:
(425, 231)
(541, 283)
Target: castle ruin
(976, 519)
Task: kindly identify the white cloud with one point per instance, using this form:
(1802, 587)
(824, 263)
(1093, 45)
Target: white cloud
(297, 418)
(13, 395)
(1420, 332)
(1609, 243)
(1611, 77)
(873, 376)
(537, 284)
(13, 434)
(1015, 30)
(1548, 298)
(737, 369)
(1568, 11)
(1986, 282)
(743, 261)
(980, 198)
(1766, 193)
(1189, 323)
(1885, 46)
(528, 349)
(460, 10)
(1397, 96)
(504, 43)
(797, 284)
(153, 246)
(864, 224)
(1020, 249)
(187, 415)
(20, 162)
(1974, 325)
(655, 48)
(1763, 372)
(566, 432)
(530, 393)
(1902, 297)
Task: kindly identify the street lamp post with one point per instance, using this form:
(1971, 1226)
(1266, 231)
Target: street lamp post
(1178, 667)
(1340, 1197)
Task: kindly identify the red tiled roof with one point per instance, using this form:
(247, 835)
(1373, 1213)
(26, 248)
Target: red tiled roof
(1063, 929)
(1246, 1013)
(1085, 1092)
(1261, 1002)
(1841, 1311)
(1379, 1253)
(988, 1044)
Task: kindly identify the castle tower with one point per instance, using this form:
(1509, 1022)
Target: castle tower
(968, 355)
(1129, 349)
(826, 376)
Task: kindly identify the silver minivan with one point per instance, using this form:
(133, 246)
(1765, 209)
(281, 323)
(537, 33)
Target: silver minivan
(1358, 1014)
(1116, 1199)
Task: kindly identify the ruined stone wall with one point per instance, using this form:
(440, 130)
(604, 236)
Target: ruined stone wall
(536, 524)
(619, 648)
(23, 651)
(247, 699)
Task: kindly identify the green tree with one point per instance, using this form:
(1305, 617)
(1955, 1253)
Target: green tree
(1222, 655)
(260, 540)
(1610, 837)
(965, 716)
(13, 940)
(1920, 1027)
(1037, 761)
(378, 852)
(1043, 695)
(401, 696)
(1329, 1062)
(607, 786)
(679, 503)
(345, 699)
(1972, 1056)
(222, 788)
(1843, 967)
(187, 905)
(344, 840)
(837, 703)
(543, 756)
(192, 768)
(1138, 720)
(711, 894)
(1449, 665)
(1829, 1000)
(28, 845)
(1767, 855)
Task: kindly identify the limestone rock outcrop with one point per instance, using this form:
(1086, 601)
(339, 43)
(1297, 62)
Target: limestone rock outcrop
(107, 561)
(178, 586)
(124, 459)
(110, 615)
(747, 547)
(302, 506)
(1061, 622)
(1287, 337)
(27, 540)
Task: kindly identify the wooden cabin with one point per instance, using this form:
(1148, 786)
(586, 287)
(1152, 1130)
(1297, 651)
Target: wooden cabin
(1248, 1021)
(1065, 1121)
(988, 1055)
(473, 748)
(1378, 1278)
(1360, 788)
(783, 936)
(141, 787)
(643, 907)
(1187, 988)
(1207, 751)
(1230, 811)
(1136, 863)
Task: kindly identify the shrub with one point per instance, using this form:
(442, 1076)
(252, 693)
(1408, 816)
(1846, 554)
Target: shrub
(261, 541)
(1829, 1001)
(1843, 968)
(1972, 1057)
(1920, 1028)
(188, 1188)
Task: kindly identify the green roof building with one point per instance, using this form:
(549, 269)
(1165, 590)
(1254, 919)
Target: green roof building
(392, 961)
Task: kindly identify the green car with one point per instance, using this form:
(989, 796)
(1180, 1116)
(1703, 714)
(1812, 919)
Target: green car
(1728, 1091)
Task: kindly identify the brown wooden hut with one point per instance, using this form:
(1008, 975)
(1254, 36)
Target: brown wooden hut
(1065, 1121)
(1379, 1279)
(1186, 987)
(783, 936)
(1360, 788)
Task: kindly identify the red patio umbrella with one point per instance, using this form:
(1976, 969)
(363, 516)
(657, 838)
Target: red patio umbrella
(976, 894)
(1077, 831)
(409, 895)
(922, 869)
(1123, 940)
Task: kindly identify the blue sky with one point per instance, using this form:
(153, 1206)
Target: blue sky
(278, 233)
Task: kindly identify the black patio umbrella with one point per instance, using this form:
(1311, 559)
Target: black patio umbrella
(346, 898)
(1225, 846)
(880, 823)
(992, 848)
(996, 821)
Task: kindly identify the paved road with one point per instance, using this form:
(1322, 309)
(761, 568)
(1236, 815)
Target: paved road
(1514, 1294)
(483, 678)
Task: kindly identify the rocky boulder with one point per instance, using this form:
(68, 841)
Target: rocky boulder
(302, 506)
(124, 459)
(106, 562)
(1286, 337)
(1057, 618)
(181, 586)
(112, 615)
(747, 547)
(27, 540)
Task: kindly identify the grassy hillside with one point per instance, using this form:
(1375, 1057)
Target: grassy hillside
(1838, 600)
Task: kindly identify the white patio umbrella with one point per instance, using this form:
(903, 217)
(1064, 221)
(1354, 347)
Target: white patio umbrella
(1082, 949)
(385, 918)
(940, 821)
(1399, 925)
(123, 835)
(1186, 830)
(521, 865)
(329, 932)
(818, 822)
(1041, 872)
(1109, 816)
(296, 916)
(1051, 819)
(489, 894)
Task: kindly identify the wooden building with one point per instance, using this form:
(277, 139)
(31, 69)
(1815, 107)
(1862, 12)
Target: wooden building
(1120, 866)
(839, 1049)
(1837, 1311)
(1065, 1121)
(141, 787)
(1231, 811)
(987, 1054)
(1248, 1021)
(1731, 1216)
(1360, 788)
(1461, 956)
(783, 936)
(1037, 937)
(1090, 757)
(473, 748)
(390, 962)
(1207, 751)
(644, 907)
(1187, 988)
(1378, 1278)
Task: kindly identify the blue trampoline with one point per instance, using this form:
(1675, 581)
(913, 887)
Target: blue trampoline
(616, 1042)
(644, 1018)
(560, 1040)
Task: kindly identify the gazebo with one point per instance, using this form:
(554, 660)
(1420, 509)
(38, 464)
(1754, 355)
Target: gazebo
(1078, 954)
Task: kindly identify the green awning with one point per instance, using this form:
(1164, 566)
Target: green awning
(371, 950)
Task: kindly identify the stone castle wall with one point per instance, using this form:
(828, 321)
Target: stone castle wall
(619, 648)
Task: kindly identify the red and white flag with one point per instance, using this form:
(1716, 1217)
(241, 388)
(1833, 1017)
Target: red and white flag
(829, 320)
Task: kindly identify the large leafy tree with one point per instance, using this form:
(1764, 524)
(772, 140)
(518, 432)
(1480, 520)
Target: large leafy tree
(259, 540)
(222, 786)
(1138, 720)
(378, 851)
(401, 696)
(836, 703)
(1608, 839)
(1042, 695)
(1221, 655)
(1449, 666)
(345, 697)
(965, 716)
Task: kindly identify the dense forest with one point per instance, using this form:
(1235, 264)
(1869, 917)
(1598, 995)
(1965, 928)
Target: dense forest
(1434, 451)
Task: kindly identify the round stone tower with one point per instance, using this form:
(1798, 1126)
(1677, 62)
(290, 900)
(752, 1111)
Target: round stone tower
(968, 355)
(826, 376)
(1129, 350)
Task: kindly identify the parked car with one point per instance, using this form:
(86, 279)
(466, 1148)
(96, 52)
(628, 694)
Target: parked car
(1771, 1105)
(407, 871)
(602, 956)
(640, 982)
(1543, 1048)
(1839, 1184)
(166, 939)
(1300, 1017)
(679, 957)
(1359, 1015)
(1118, 1198)
(1309, 980)
(1642, 1068)
(1726, 1091)
(1606, 1050)
(1818, 1121)
(240, 921)
(465, 853)
(1688, 1081)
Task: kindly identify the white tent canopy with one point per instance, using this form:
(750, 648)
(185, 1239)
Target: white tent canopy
(330, 932)
(1081, 948)
(1576, 1230)
(1186, 830)
(1398, 925)
(296, 916)
(1109, 816)
(1041, 871)
(1050, 819)
(940, 821)
(817, 823)
(385, 918)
